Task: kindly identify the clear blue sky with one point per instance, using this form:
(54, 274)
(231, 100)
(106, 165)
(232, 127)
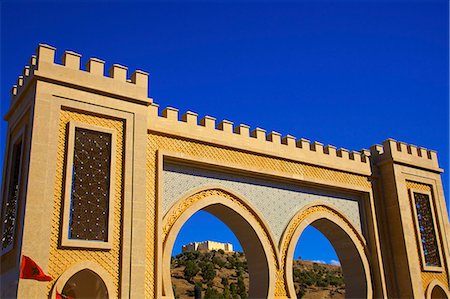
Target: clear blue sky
(347, 73)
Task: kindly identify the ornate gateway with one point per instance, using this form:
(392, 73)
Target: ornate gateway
(98, 183)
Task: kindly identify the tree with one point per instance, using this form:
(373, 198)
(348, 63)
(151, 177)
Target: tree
(241, 287)
(212, 293)
(208, 272)
(224, 281)
(233, 290)
(190, 270)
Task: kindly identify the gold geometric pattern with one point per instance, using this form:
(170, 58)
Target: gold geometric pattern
(62, 258)
(150, 215)
(226, 156)
(427, 276)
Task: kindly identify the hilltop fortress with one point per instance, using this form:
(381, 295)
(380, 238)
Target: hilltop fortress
(206, 246)
(98, 181)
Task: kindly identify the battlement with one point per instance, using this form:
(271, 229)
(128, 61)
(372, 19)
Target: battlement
(134, 88)
(404, 153)
(241, 136)
(69, 72)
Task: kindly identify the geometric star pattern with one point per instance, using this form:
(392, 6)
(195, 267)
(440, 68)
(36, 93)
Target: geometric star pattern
(90, 185)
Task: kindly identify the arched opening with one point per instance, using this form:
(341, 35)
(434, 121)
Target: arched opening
(347, 245)
(316, 269)
(438, 293)
(208, 256)
(248, 231)
(85, 284)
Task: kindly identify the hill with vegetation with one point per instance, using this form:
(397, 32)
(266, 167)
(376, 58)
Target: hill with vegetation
(222, 275)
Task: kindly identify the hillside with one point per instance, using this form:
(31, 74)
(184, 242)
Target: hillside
(223, 275)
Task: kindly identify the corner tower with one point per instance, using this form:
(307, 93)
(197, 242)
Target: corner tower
(66, 123)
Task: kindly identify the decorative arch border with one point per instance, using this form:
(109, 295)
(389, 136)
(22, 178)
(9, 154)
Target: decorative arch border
(85, 265)
(203, 197)
(433, 284)
(307, 215)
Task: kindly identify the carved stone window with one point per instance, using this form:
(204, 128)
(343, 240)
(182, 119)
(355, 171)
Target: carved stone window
(11, 201)
(88, 218)
(426, 227)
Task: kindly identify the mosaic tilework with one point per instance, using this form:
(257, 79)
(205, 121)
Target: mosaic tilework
(277, 202)
(228, 157)
(61, 259)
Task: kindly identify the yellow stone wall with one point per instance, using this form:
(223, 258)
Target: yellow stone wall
(62, 258)
(427, 276)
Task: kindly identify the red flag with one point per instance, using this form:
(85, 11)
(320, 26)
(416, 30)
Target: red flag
(60, 296)
(30, 270)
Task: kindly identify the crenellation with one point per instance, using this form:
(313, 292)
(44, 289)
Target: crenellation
(170, 113)
(118, 72)
(95, 66)
(432, 155)
(226, 126)
(365, 154)
(289, 140)
(153, 110)
(26, 71)
(343, 153)
(242, 130)
(20, 81)
(316, 147)
(311, 149)
(208, 122)
(33, 60)
(403, 147)
(45, 54)
(303, 143)
(140, 78)
(356, 156)
(259, 134)
(404, 153)
(330, 150)
(71, 60)
(69, 70)
(274, 137)
(190, 117)
(14, 90)
(421, 151)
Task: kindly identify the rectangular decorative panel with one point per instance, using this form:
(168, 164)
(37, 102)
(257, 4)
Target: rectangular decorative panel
(426, 228)
(89, 204)
(9, 217)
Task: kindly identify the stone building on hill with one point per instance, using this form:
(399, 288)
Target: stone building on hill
(207, 246)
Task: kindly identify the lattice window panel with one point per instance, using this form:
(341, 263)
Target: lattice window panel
(90, 186)
(426, 227)
(10, 207)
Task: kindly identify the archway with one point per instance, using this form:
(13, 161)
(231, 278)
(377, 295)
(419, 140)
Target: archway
(85, 284)
(316, 267)
(85, 280)
(245, 224)
(437, 290)
(346, 241)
